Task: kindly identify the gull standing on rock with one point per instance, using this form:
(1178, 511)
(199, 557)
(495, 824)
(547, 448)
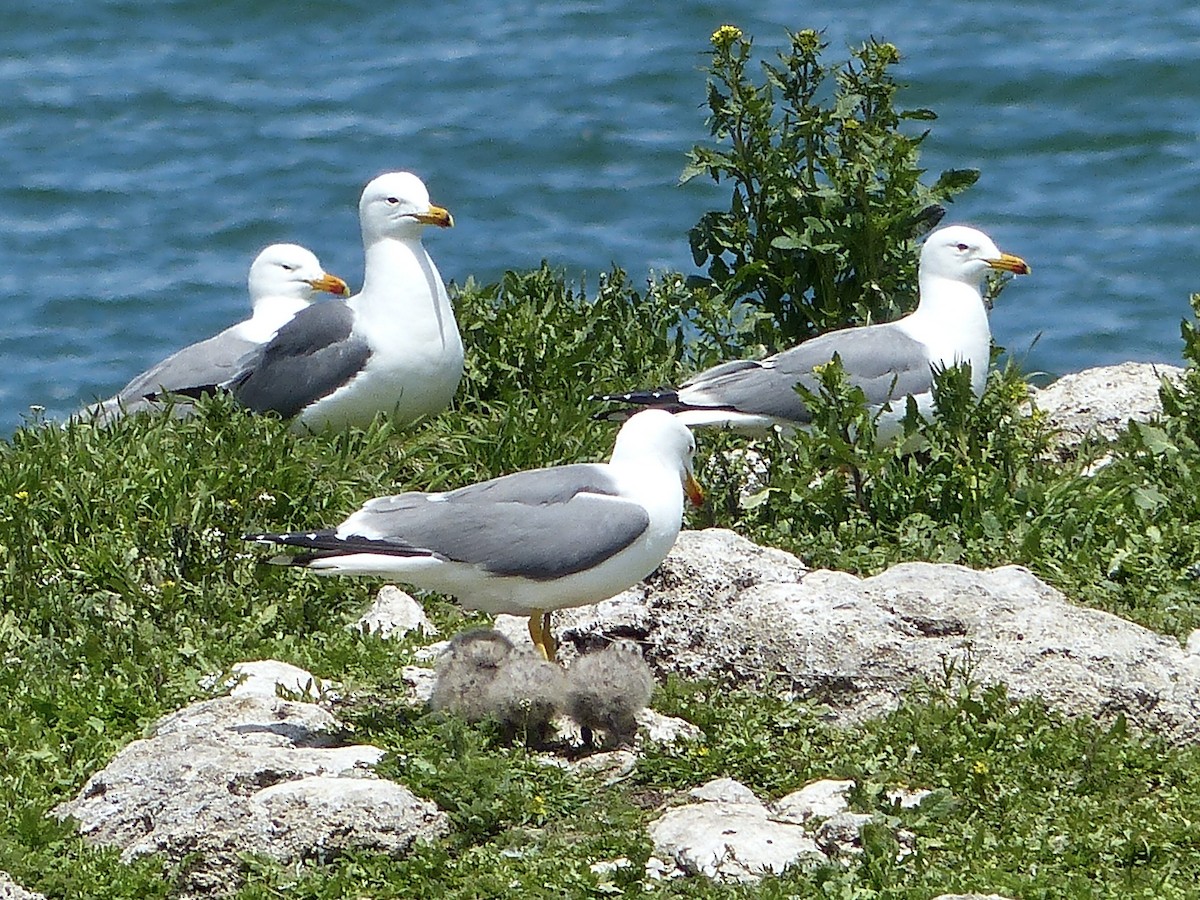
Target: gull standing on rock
(889, 361)
(526, 543)
(284, 279)
(394, 347)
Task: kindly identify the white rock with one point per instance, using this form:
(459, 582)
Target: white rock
(266, 677)
(729, 841)
(289, 819)
(1100, 402)
(817, 800)
(10, 890)
(419, 682)
(515, 628)
(720, 608)
(430, 652)
(660, 730)
(394, 613)
(841, 834)
(610, 866)
(907, 799)
(1193, 642)
(659, 869)
(724, 790)
(246, 774)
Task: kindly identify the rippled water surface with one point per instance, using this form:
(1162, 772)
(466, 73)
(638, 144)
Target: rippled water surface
(148, 151)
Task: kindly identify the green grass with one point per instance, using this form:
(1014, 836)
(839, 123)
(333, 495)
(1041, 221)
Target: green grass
(127, 583)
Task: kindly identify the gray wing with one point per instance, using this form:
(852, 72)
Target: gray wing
(881, 359)
(309, 358)
(207, 362)
(532, 487)
(541, 524)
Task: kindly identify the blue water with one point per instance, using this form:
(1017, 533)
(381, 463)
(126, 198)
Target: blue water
(148, 151)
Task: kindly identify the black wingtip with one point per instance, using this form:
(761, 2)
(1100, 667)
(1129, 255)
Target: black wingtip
(187, 393)
(614, 415)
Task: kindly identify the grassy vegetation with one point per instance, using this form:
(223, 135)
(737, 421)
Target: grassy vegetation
(126, 582)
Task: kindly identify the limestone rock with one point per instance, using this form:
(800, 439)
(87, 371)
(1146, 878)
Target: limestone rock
(723, 608)
(906, 798)
(10, 890)
(1100, 402)
(419, 682)
(247, 774)
(394, 614)
(656, 729)
(728, 835)
(818, 800)
(267, 677)
(841, 834)
(725, 790)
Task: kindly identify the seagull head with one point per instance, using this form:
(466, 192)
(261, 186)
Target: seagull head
(396, 205)
(964, 254)
(291, 271)
(655, 434)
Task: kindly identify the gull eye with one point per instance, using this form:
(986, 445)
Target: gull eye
(963, 248)
(393, 201)
(287, 267)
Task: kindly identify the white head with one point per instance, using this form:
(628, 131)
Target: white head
(959, 253)
(655, 434)
(292, 272)
(396, 205)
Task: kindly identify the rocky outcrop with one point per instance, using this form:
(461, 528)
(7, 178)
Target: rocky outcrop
(251, 773)
(722, 608)
(728, 834)
(1098, 403)
(10, 890)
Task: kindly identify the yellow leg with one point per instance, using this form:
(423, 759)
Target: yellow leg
(551, 648)
(535, 632)
(539, 631)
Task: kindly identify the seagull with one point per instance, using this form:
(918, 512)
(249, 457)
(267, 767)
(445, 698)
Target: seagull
(284, 279)
(525, 543)
(394, 347)
(889, 361)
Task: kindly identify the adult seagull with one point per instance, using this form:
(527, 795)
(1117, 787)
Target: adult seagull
(888, 361)
(526, 543)
(284, 279)
(394, 347)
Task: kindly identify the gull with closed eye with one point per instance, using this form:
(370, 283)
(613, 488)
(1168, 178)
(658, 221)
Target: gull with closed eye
(392, 348)
(284, 279)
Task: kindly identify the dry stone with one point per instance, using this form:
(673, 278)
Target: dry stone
(10, 890)
(253, 773)
(728, 835)
(1100, 402)
(723, 608)
(393, 614)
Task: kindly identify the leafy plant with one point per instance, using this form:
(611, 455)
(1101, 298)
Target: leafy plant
(827, 193)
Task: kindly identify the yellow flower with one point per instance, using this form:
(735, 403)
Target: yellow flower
(724, 36)
(23, 496)
(979, 767)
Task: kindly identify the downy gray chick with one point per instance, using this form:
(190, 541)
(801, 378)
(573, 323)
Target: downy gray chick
(526, 694)
(605, 690)
(465, 670)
